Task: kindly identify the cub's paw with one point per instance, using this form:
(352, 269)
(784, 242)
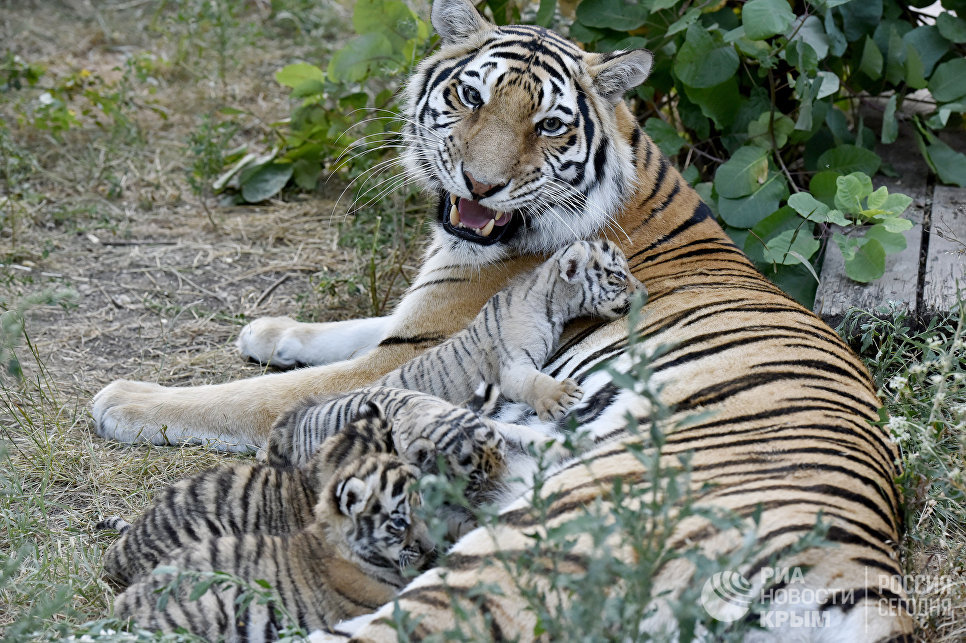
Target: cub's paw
(272, 341)
(554, 402)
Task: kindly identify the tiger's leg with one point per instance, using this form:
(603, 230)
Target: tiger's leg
(238, 415)
(284, 342)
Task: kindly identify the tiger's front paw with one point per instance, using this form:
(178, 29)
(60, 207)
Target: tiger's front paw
(121, 412)
(555, 400)
(272, 341)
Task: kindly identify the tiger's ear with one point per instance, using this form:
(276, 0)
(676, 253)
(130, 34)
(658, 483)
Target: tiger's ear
(619, 71)
(573, 260)
(351, 495)
(456, 20)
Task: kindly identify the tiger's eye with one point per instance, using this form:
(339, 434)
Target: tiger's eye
(471, 96)
(551, 125)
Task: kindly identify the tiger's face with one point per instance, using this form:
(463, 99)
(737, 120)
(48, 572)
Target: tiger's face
(516, 127)
(376, 497)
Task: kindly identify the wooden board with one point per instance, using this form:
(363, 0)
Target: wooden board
(837, 293)
(946, 259)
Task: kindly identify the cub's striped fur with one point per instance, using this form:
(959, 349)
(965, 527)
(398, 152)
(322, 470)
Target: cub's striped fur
(519, 327)
(475, 448)
(346, 562)
(238, 499)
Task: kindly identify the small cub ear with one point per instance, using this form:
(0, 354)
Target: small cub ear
(371, 411)
(421, 453)
(352, 495)
(573, 260)
(619, 71)
(456, 20)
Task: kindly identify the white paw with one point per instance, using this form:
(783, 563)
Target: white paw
(121, 412)
(556, 404)
(128, 411)
(271, 340)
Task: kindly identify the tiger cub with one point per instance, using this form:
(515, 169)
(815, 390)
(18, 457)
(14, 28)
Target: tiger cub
(508, 342)
(350, 560)
(474, 448)
(238, 499)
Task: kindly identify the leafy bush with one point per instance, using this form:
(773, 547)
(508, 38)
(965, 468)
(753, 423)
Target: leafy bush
(759, 102)
(350, 104)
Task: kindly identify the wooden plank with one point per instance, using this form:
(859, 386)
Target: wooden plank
(836, 293)
(946, 259)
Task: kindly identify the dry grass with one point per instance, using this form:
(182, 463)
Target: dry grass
(161, 293)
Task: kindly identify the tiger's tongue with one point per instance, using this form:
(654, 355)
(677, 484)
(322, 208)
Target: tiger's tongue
(474, 215)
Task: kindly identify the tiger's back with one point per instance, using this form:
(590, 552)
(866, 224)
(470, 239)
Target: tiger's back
(786, 427)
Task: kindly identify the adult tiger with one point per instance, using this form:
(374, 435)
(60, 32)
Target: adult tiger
(530, 135)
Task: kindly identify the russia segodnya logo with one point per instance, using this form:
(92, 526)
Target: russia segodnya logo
(727, 596)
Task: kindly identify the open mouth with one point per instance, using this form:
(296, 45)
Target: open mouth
(474, 222)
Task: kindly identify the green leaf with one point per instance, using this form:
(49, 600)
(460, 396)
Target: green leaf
(813, 33)
(390, 18)
(791, 246)
(701, 62)
(851, 190)
(838, 217)
(890, 126)
(808, 206)
(612, 14)
(360, 55)
(306, 173)
(830, 84)
(690, 17)
(265, 181)
(951, 27)
(765, 18)
(929, 45)
(664, 135)
(658, 5)
(759, 135)
(949, 164)
(200, 588)
(783, 219)
(941, 117)
(895, 204)
(894, 224)
(948, 82)
(850, 158)
(914, 69)
(890, 240)
(747, 212)
(294, 75)
(743, 173)
(545, 12)
(865, 261)
(719, 103)
(309, 88)
(871, 62)
(823, 187)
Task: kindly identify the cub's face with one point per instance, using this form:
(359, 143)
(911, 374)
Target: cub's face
(601, 281)
(377, 498)
(516, 127)
(610, 285)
